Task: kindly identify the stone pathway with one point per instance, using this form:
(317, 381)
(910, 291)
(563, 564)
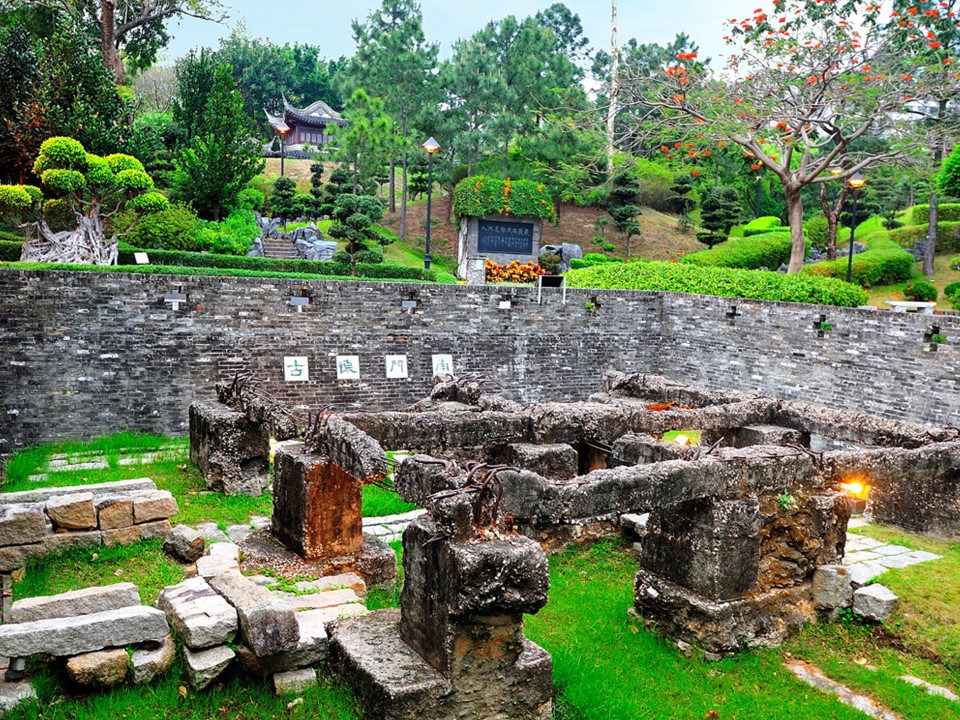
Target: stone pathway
(814, 677)
(867, 558)
(97, 461)
(390, 527)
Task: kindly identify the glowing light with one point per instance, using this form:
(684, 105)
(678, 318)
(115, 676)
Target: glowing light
(856, 488)
(681, 440)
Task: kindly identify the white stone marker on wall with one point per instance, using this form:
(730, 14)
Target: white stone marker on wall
(348, 367)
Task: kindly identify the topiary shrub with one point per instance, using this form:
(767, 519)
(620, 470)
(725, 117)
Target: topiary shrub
(949, 212)
(760, 225)
(920, 291)
(150, 202)
(60, 152)
(369, 256)
(769, 250)
(175, 228)
(481, 195)
(948, 235)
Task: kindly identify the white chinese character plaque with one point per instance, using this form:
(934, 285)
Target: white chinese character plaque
(442, 365)
(296, 369)
(348, 367)
(396, 367)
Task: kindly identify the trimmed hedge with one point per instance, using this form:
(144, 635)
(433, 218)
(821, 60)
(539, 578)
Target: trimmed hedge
(763, 224)
(949, 212)
(482, 195)
(10, 251)
(179, 258)
(724, 282)
(591, 259)
(948, 235)
(769, 250)
(884, 263)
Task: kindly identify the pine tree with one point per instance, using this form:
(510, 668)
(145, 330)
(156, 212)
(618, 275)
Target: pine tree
(719, 211)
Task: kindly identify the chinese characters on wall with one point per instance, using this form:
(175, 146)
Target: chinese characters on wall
(396, 367)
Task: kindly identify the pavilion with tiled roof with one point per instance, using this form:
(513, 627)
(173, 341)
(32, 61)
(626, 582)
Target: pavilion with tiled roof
(309, 125)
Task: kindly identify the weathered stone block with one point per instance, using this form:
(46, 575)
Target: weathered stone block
(101, 669)
(14, 694)
(554, 462)
(205, 666)
(875, 602)
(16, 556)
(232, 452)
(220, 557)
(311, 647)
(41, 495)
(832, 587)
(420, 476)
(62, 540)
(159, 505)
(76, 602)
(349, 580)
(150, 662)
(114, 513)
(199, 615)
(294, 681)
(73, 512)
(316, 505)
(21, 524)
(268, 625)
(156, 530)
(184, 543)
(709, 546)
(86, 633)
(121, 536)
(767, 435)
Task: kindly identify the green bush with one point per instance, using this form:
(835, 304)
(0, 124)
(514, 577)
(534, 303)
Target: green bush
(60, 152)
(816, 228)
(725, 282)
(251, 199)
(63, 181)
(948, 235)
(173, 229)
(884, 263)
(760, 225)
(655, 181)
(369, 256)
(11, 236)
(920, 291)
(952, 289)
(172, 258)
(481, 195)
(150, 202)
(10, 251)
(769, 250)
(233, 236)
(14, 198)
(946, 212)
(591, 259)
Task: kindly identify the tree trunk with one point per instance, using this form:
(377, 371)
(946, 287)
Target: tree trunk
(403, 200)
(832, 214)
(393, 186)
(108, 39)
(614, 86)
(795, 219)
(930, 249)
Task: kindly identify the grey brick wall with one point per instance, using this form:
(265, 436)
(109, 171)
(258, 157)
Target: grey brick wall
(84, 354)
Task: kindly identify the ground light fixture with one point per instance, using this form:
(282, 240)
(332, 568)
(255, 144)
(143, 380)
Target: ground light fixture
(432, 147)
(855, 182)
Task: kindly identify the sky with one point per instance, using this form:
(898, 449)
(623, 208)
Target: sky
(326, 23)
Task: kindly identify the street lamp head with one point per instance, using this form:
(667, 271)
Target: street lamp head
(282, 128)
(856, 181)
(431, 146)
(835, 170)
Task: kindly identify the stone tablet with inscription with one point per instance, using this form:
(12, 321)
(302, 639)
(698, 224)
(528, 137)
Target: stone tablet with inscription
(499, 238)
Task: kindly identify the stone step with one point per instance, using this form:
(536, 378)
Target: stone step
(199, 615)
(86, 633)
(391, 679)
(76, 602)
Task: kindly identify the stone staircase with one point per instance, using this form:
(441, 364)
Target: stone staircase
(276, 248)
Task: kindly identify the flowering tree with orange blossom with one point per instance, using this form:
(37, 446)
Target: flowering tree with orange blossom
(804, 82)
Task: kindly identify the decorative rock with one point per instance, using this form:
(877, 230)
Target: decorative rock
(21, 524)
(294, 681)
(148, 664)
(200, 616)
(205, 666)
(159, 505)
(73, 512)
(115, 513)
(85, 633)
(874, 602)
(831, 587)
(268, 625)
(103, 669)
(14, 694)
(74, 603)
(184, 543)
(220, 557)
(122, 536)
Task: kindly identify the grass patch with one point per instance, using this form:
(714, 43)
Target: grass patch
(144, 564)
(693, 435)
(379, 501)
(381, 599)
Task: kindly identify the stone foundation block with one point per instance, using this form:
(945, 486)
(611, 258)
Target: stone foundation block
(232, 452)
(114, 513)
(73, 512)
(76, 602)
(311, 649)
(554, 462)
(268, 625)
(16, 556)
(875, 602)
(205, 666)
(767, 435)
(62, 540)
(21, 524)
(121, 536)
(832, 587)
(199, 615)
(149, 663)
(184, 543)
(159, 505)
(220, 557)
(102, 669)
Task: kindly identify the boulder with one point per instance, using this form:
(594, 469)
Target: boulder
(73, 512)
(149, 663)
(874, 602)
(102, 669)
(76, 602)
(268, 625)
(832, 587)
(184, 543)
(85, 633)
(200, 616)
(205, 666)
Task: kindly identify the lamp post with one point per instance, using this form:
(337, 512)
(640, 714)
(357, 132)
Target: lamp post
(855, 182)
(431, 146)
(756, 213)
(282, 130)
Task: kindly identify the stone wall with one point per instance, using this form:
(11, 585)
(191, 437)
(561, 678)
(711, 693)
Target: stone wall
(84, 354)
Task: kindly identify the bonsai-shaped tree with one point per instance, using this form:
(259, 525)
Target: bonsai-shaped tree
(85, 186)
(719, 211)
(680, 201)
(282, 203)
(353, 220)
(622, 205)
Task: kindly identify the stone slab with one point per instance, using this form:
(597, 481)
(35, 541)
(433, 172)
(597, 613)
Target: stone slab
(15, 694)
(155, 530)
(121, 536)
(159, 505)
(814, 677)
(76, 602)
(315, 601)
(311, 648)
(294, 681)
(184, 543)
(16, 556)
(199, 615)
(100, 669)
(333, 582)
(860, 556)
(220, 558)
(931, 688)
(205, 666)
(864, 572)
(86, 633)
(888, 550)
(907, 559)
(212, 533)
(831, 587)
(73, 511)
(62, 540)
(21, 524)
(874, 602)
(861, 542)
(41, 495)
(115, 513)
(149, 663)
(267, 623)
